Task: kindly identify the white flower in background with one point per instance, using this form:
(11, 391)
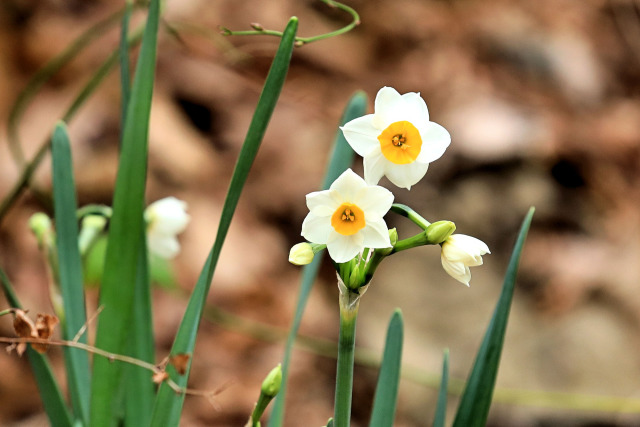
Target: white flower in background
(459, 252)
(166, 218)
(348, 217)
(398, 140)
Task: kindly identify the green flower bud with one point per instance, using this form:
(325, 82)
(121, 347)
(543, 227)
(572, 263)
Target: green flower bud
(301, 254)
(271, 384)
(439, 231)
(92, 227)
(40, 224)
(393, 236)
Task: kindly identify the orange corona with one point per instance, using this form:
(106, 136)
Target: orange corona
(400, 143)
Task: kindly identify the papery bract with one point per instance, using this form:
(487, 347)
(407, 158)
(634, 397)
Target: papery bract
(398, 140)
(348, 217)
(459, 252)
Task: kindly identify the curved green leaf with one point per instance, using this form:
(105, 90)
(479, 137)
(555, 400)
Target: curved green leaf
(441, 409)
(476, 399)
(70, 271)
(168, 404)
(386, 397)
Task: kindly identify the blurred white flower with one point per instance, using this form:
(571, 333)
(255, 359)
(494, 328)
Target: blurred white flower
(398, 140)
(166, 218)
(348, 217)
(459, 252)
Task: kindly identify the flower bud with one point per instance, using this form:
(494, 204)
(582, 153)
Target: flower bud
(393, 236)
(271, 384)
(40, 224)
(92, 227)
(439, 232)
(301, 254)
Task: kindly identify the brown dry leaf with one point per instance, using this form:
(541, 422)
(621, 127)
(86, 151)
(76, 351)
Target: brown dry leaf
(24, 328)
(179, 362)
(45, 324)
(159, 377)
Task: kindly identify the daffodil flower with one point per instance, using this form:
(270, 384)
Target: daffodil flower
(459, 252)
(398, 140)
(166, 218)
(348, 217)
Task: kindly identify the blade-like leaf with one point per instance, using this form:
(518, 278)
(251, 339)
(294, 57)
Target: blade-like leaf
(52, 399)
(441, 409)
(168, 404)
(386, 397)
(123, 54)
(127, 224)
(341, 159)
(476, 399)
(70, 271)
(139, 389)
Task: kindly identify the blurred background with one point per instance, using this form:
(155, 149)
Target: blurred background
(541, 100)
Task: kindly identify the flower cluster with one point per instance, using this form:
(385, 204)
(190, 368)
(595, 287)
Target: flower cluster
(397, 141)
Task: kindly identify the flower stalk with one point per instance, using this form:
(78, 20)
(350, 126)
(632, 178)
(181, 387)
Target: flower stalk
(349, 304)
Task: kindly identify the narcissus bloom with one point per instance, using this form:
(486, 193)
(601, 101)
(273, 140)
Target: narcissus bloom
(459, 252)
(166, 218)
(348, 217)
(398, 140)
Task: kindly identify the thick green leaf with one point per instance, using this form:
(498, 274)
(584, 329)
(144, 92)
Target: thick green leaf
(70, 271)
(441, 409)
(476, 399)
(384, 404)
(341, 159)
(139, 389)
(168, 404)
(117, 293)
(52, 399)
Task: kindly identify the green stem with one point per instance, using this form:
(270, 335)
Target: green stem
(303, 40)
(414, 216)
(349, 302)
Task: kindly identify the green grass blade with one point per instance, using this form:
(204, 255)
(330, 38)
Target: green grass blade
(476, 399)
(341, 159)
(168, 405)
(127, 224)
(123, 54)
(386, 397)
(441, 409)
(70, 277)
(52, 399)
(139, 389)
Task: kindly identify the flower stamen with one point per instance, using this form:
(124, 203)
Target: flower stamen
(348, 219)
(404, 136)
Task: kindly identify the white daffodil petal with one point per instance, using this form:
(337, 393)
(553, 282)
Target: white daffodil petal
(316, 228)
(167, 216)
(323, 203)
(459, 252)
(387, 103)
(374, 166)
(457, 270)
(414, 101)
(376, 234)
(375, 201)
(361, 134)
(435, 140)
(348, 185)
(344, 248)
(404, 176)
